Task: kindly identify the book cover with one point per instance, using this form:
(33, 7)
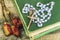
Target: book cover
(47, 25)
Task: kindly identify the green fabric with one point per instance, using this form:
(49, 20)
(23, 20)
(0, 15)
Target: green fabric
(46, 32)
(55, 12)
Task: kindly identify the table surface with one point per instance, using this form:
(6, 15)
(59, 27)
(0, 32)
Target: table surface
(52, 36)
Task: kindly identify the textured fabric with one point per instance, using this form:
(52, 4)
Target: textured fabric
(51, 36)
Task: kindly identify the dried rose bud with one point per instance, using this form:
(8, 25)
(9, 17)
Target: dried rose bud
(15, 31)
(17, 22)
(14, 21)
(7, 29)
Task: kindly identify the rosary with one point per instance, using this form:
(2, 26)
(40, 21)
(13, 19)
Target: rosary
(40, 16)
